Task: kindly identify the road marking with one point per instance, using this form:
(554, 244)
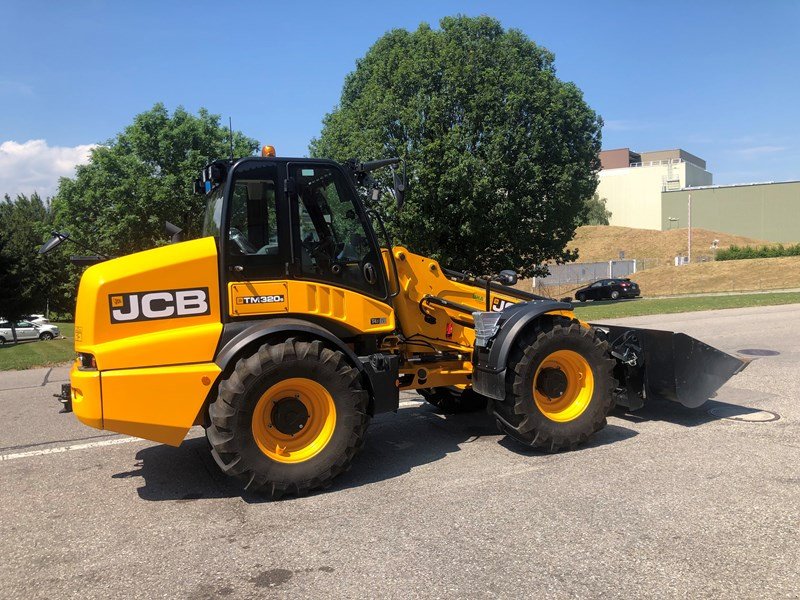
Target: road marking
(122, 440)
(412, 403)
(60, 449)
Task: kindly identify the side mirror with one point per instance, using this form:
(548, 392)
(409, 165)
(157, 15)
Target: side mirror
(55, 241)
(507, 277)
(173, 231)
(399, 188)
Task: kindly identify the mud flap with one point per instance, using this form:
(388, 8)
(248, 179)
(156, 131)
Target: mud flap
(655, 364)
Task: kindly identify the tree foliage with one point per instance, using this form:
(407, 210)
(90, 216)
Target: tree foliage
(29, 282)
(594, 212)
(501, 154)
(119, 201)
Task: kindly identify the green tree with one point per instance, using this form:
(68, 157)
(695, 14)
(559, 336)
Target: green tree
(594, 212)
(29, 282)
(118, 202)
(501, 154)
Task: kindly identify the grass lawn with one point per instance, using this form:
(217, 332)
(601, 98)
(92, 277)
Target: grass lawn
(38, 354)
(594, 311)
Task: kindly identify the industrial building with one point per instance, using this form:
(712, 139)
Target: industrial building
(650, 190)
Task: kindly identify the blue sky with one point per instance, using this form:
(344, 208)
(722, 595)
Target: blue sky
(719, 79)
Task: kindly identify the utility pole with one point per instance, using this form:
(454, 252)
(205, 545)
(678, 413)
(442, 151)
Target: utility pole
(690, 228)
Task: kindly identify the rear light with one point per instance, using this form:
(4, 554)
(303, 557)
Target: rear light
(623, 284)
(87, 361)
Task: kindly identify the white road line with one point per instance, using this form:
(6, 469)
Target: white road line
(60, 449)
(115, 441)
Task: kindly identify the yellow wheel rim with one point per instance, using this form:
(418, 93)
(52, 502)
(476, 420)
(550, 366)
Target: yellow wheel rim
(576, 386)
(294, 420)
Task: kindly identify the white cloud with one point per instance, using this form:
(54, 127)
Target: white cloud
(15, 88)
(33, 166)
(758, 151)
(624, 125)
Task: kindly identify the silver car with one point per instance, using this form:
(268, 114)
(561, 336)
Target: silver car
(27, 331)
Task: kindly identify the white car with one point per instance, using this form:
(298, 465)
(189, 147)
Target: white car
(37, 319)
(27, 331)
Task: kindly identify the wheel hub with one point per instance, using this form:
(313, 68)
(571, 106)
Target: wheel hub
(289, 415)
(551, 382)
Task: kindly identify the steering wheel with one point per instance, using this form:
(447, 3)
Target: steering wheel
(238, 238)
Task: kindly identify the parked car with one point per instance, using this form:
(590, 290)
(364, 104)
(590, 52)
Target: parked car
(27, 331)
(36, 319)
(608, 289)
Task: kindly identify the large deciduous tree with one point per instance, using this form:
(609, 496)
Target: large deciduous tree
(29, 282)
(501, 154)
(119, 201)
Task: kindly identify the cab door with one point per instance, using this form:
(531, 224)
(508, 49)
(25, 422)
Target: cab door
(333, 241)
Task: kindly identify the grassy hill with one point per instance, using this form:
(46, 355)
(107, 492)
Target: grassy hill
(604, 242)
(724, 276)
(655, 252)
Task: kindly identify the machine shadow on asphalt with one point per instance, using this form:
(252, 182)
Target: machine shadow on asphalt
(394, 446)
(672, 412)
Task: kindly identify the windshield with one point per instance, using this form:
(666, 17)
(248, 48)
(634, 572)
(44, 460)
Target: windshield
(212, 222)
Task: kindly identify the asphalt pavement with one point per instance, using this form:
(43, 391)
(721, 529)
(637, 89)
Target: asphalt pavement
(667, 502)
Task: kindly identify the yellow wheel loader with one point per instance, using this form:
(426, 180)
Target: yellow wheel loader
(291, 323)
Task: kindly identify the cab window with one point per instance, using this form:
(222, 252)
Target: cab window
(334, 244)
(253, 226)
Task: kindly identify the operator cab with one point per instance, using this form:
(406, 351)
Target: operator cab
(291, 218)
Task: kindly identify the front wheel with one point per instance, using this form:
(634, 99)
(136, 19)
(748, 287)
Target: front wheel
(581, 297)
(289, 418)
(559, 387)
(46, 336)
(614, 295)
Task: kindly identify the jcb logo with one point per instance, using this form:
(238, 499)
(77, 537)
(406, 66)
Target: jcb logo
(499, 305)
(166, 304)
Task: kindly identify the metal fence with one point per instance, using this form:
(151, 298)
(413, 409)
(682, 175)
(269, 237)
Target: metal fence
(563, 279)
(585, 272)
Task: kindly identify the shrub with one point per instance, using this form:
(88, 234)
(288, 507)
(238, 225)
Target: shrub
(735, 252)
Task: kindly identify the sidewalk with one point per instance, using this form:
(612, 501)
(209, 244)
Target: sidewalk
(39, 377)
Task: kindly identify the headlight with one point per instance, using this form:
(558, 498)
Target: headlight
(487, 324)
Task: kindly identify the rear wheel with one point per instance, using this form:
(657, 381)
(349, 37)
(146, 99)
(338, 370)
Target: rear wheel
(451, 400)
(614, 295)
(559, 387)
(289, 419)
(2, 340)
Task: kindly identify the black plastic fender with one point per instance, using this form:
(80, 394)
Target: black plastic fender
(490, 363)
(376, 369)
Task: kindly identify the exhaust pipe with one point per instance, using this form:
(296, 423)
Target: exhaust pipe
(654, 364)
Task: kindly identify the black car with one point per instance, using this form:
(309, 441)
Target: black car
(608, 289)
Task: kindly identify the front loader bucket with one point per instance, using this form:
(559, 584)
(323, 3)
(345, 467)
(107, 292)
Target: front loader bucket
(669, 366)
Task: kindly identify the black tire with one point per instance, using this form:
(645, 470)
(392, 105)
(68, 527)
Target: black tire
(46, 336)
(230, 432)
(519, 414)
(453, 401)
(2, 341)
(614, 295)
(581, 297)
